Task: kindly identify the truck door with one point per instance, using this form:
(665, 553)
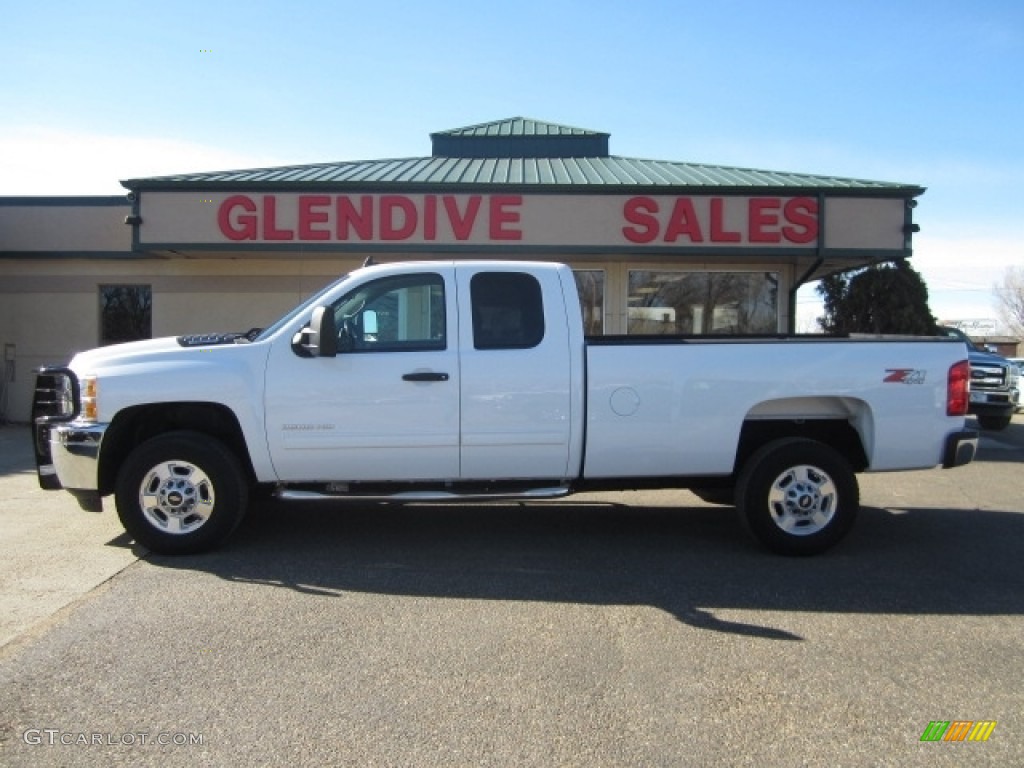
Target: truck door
(387, 406)
(515, 365)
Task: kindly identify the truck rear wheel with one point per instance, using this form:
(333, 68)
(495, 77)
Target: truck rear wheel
(181, 493)
(798, 496)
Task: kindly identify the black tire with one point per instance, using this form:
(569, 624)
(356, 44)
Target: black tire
(994, 422)
(181, 493)
(798, 496)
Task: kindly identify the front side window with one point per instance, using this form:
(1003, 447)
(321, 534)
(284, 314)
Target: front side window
(508, 312)
(126, 313)
(703, 302)
(393, 314)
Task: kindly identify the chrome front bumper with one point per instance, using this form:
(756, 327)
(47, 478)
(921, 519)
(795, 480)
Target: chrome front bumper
(75, 453)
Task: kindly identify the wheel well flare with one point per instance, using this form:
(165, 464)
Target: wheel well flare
(840, 434)
(134, 426)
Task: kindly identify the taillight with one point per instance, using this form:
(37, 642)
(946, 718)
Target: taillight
(958, 389)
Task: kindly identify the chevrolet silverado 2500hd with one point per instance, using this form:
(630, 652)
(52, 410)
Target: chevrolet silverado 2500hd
(473, 380)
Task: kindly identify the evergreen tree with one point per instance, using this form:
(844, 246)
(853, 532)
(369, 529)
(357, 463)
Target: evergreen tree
(884, 298)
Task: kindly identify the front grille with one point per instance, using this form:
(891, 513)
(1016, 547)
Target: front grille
(55, 399)
(988, 377)
(56, 395)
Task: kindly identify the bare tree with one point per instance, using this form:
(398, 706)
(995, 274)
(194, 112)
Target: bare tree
(1009, 292)
(126, 313)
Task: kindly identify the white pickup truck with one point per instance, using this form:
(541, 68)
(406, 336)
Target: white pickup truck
(473, 380)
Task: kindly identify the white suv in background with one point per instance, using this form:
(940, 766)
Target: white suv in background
(1019, 362)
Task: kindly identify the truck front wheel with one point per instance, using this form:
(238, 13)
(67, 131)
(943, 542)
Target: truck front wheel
(798, 496)
(181, 493)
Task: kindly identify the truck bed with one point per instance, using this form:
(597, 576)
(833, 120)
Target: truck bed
(679, 403)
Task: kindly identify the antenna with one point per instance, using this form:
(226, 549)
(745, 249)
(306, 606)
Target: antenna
(369, 261)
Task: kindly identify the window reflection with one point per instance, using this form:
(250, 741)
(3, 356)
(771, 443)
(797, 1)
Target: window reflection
(126, 313)
(703, 302)
(590, 286)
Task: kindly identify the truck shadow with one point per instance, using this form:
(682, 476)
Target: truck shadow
(690, 562)
(1006, 445)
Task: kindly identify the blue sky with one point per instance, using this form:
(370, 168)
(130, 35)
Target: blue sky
(915, 91)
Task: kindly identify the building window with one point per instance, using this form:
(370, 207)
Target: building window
(126, 313)
(703, 302)
(590, 286)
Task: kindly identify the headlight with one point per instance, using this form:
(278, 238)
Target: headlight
(89, 395)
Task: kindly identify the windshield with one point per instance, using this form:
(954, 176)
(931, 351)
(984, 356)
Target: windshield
(309, 303)
(956, 333)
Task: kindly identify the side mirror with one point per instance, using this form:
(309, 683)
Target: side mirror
(369, 323)
(320, 337)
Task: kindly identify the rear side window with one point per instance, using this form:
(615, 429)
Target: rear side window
(507, 310)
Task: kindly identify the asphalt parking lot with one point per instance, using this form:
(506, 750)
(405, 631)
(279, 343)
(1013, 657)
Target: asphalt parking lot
(605, 630)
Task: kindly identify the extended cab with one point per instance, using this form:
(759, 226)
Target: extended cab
(473, 380)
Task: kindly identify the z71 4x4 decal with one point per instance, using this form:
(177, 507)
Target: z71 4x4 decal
(903, 376)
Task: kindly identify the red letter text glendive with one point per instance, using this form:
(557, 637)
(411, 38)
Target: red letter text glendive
(389, 228)
(241, 227)
(308, 217)
(501, 215)
(462, 226)
(270, 230)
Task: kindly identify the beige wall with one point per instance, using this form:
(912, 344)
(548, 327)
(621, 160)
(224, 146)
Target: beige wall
(49, 309)
(41, 227)
(42, 326)
(865, 223)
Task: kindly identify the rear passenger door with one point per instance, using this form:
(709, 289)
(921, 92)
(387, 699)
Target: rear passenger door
(515, 366)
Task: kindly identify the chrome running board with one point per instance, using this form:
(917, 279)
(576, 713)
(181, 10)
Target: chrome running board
(290, 494)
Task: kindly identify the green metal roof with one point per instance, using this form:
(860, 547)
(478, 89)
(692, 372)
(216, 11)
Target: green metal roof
(520, 153)
(607, 172)
(518, 126)
(519, 137)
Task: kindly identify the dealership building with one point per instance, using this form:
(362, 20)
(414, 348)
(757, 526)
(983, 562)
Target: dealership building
(656, 246)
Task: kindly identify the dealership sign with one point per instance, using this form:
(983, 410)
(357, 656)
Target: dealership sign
(975, 327)
(481, 220)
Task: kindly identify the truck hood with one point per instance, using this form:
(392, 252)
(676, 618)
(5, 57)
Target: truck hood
(121, 353)
(985, 358)
(136, 352)
(183, 369)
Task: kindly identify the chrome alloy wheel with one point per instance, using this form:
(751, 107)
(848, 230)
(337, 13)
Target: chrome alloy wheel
(176, 497)
(803, 500)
